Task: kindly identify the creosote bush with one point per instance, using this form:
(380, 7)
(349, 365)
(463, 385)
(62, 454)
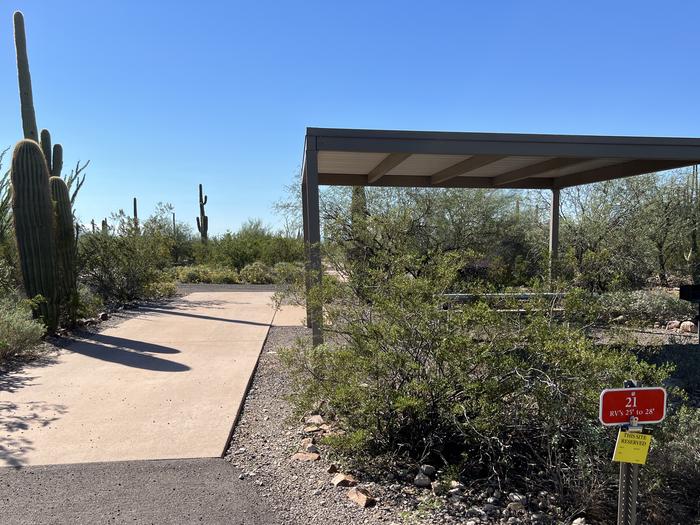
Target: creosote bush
(122, 268)
(253, 242)
(19, 332)
(490, 395)
(196, 274)
(256, 273)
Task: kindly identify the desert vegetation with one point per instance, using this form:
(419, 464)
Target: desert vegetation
(501, 395)
(56, 271)
(505, 395)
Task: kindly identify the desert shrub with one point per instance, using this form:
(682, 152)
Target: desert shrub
(193, 274)
(206, 274)
(121, 268)
(638, 306)
(505, 398)
(224, 276)
(19, 332)
(89, 303)
(287, 273)
(646, 306)
(252, 242)
(671, 479)
(256, 273)
(7, 279)
(160, 289)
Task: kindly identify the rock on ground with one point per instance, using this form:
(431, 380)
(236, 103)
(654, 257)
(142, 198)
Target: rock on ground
(304, 492)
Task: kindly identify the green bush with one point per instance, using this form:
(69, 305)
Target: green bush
(256, 273)
(646, 306)
(287, 273)
(638, 306)
(123, 267)
(89, 304)
(160, 290)
(670, 481)
(497, 397)
(19, 333)
(252, 243)
(206, 274)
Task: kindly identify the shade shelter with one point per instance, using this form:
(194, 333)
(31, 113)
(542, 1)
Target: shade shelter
(354, 157)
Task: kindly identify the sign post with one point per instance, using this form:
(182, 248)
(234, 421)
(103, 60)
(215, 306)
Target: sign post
(628, 408)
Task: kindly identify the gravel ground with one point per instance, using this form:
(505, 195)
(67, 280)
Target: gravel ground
(300, 492)
(264, 440)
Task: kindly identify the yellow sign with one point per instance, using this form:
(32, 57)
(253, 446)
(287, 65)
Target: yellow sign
(632, 447)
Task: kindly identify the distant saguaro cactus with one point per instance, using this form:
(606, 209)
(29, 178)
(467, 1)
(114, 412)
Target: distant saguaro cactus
(65, 245)
(33, 215)
(203, 220)
(105, 227)
(136, 215)
(25, 80)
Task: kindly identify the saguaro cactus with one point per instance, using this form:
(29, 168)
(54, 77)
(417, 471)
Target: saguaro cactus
(25, 80)
(136, 215)
(203, 220)
(65, 247)
(105, 227)
(33, 216)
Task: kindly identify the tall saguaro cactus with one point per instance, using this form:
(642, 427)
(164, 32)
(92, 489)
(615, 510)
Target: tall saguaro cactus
(65, 245)
(203, 220)
(33, 215)
(25, 80)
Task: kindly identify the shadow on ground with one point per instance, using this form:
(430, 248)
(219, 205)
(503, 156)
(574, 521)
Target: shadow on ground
(167, 311)
(125, 352)
(15, 418)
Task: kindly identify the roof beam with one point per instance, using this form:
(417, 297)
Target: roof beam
(560, 146)
(534, 169)
(463, 167)
(619, 171)
(389, 163)
(422, 181)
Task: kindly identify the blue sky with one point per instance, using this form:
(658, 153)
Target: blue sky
(161, 96)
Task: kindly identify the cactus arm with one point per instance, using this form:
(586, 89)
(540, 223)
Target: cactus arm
(46, 147)
(25, 80)
(57, 164)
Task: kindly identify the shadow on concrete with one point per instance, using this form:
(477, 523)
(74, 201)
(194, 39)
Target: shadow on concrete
(200, 316)
(127, 354)
(15, 418)
(139, 346)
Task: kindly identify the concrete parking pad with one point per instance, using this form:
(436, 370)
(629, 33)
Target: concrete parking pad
(290, 315)
(165, 384)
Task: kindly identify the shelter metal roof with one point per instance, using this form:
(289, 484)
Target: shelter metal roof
(353, 157)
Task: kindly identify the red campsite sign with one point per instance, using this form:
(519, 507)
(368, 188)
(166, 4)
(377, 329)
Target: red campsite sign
(618, 405)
